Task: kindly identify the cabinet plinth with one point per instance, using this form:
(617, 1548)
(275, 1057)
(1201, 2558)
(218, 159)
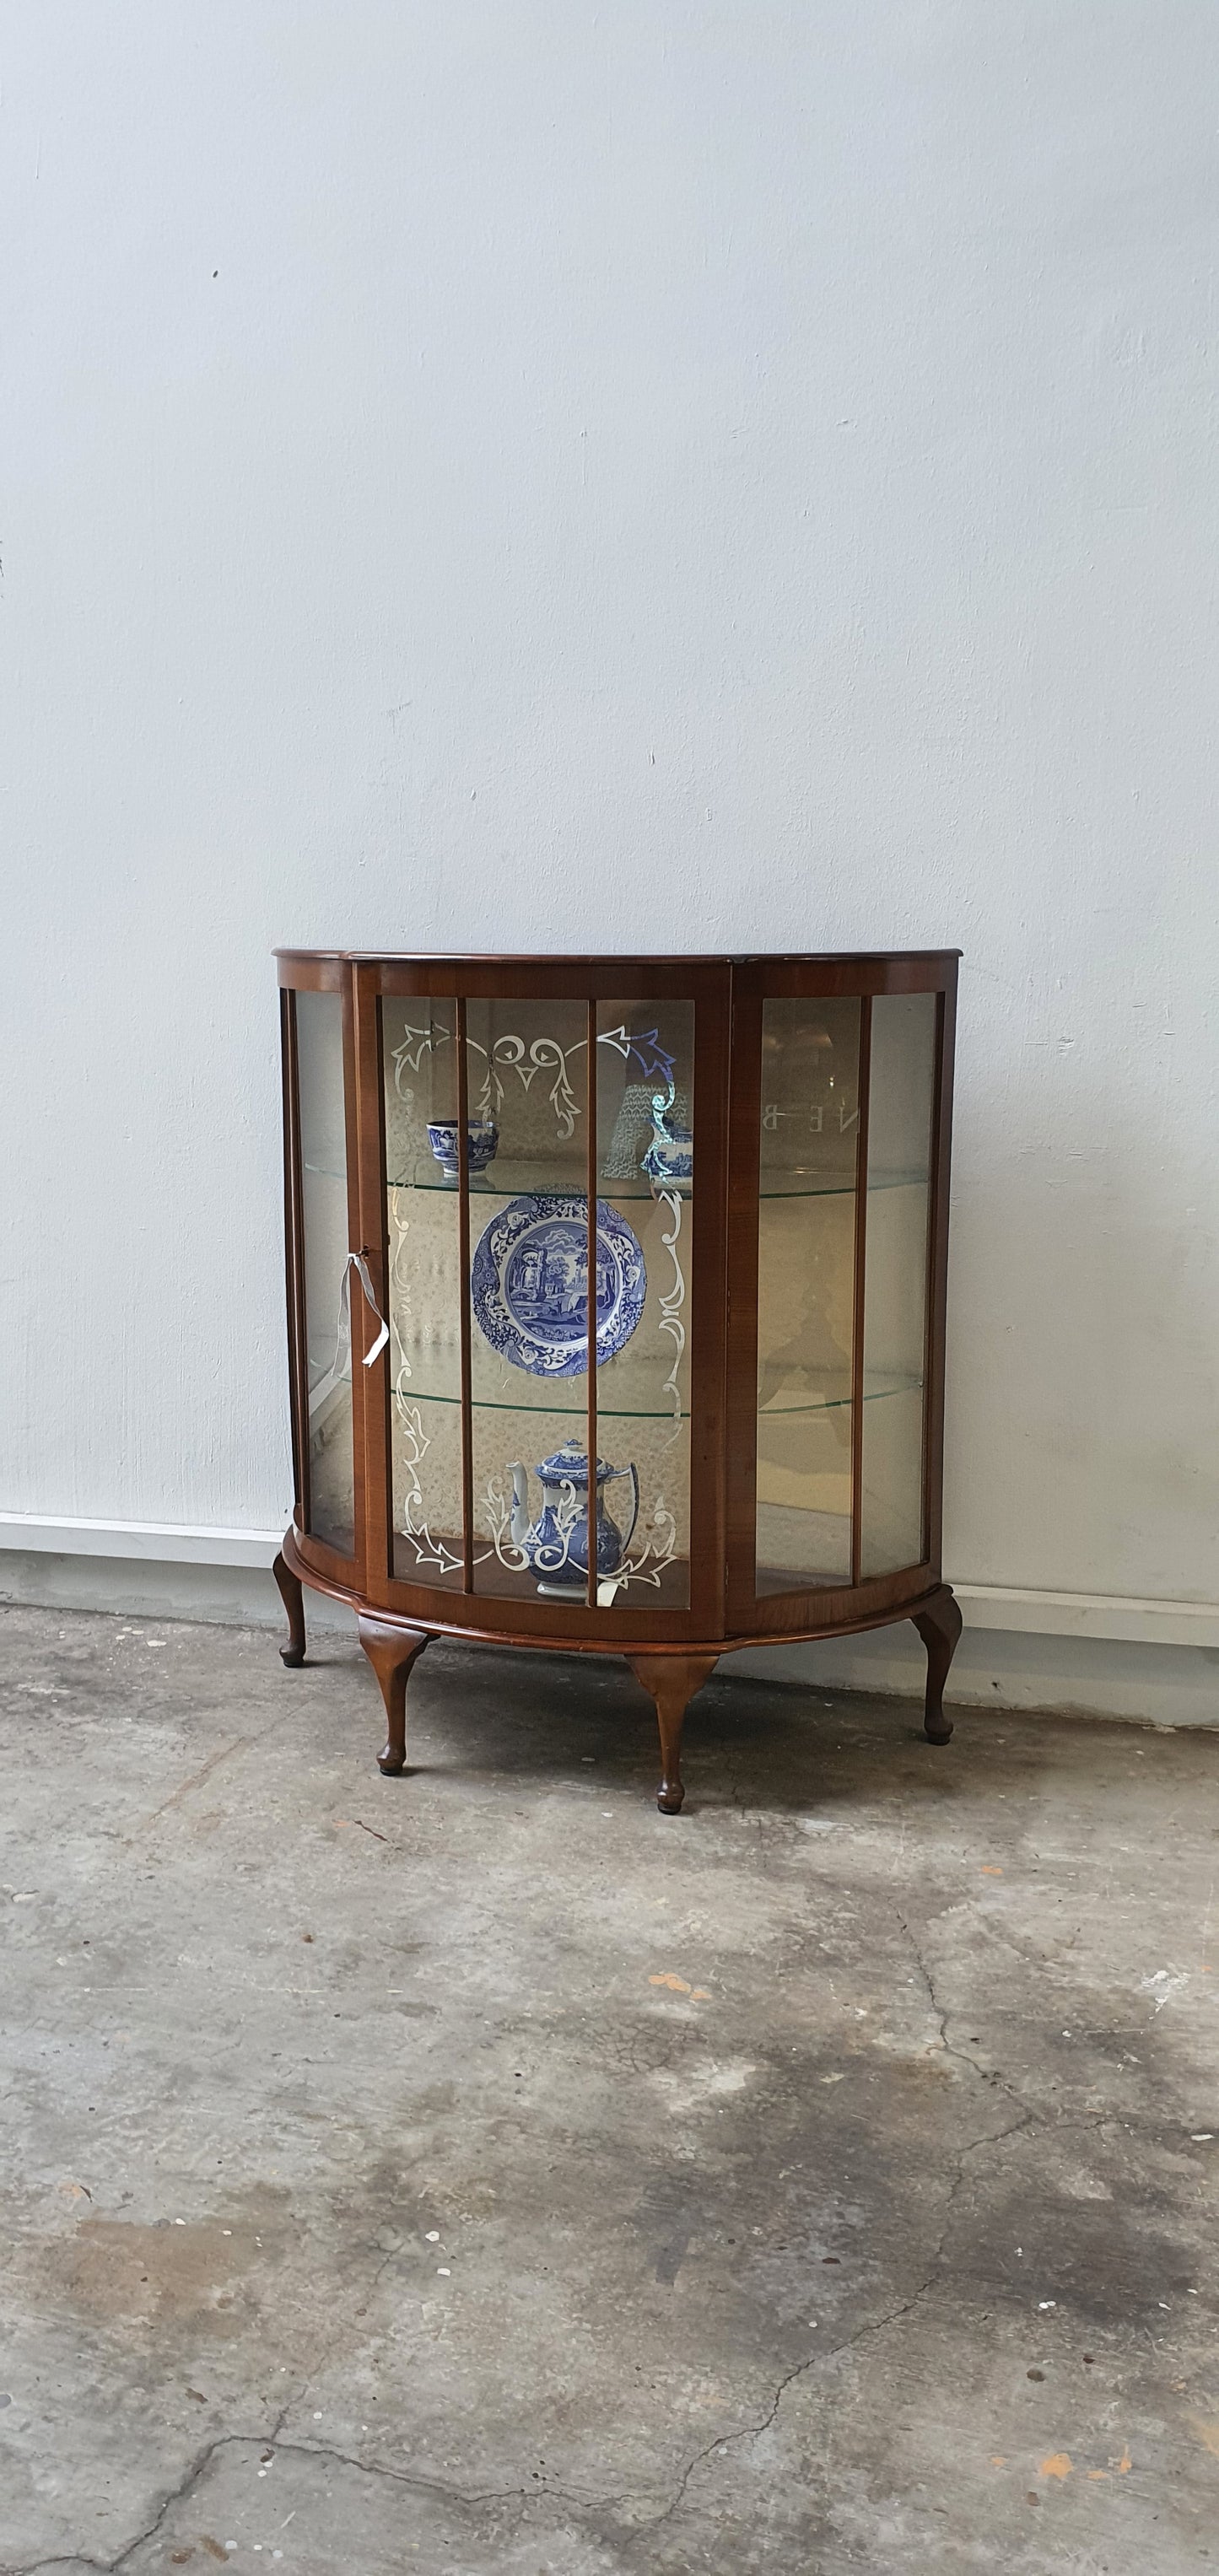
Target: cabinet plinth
(616, 1297)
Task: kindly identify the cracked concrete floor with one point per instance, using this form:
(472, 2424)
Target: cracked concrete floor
(479, 2171)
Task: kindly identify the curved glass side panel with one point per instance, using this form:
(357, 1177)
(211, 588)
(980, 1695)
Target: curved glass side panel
(900, 1123)
(419, 1067)
(323, 1149)
(806, 1292)
(645, 1186)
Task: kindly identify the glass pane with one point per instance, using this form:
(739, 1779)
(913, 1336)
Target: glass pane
(419, 1057)
(319, 1056)
(900, 1106)
(806, 1292)
(645, 1163)
(527, 1078)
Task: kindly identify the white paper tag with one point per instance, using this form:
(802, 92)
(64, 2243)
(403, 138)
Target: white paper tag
(356, 1261)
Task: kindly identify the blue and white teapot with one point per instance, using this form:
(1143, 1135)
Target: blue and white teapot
(556, 1544)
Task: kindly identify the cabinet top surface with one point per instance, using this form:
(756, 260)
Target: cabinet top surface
(618, 957)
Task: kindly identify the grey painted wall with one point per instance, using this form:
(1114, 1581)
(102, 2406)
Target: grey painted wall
(647, 475)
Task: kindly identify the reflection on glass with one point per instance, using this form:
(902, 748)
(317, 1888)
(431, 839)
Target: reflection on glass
(527, 1079)
(900, 1108)
(323, 1143)
(645, 1164)
(419, 1056)
(806, 1291)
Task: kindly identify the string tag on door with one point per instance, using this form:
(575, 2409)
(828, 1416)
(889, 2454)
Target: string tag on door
(356, 1261)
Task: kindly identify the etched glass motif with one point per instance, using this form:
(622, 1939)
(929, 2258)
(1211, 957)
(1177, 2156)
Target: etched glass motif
(527, 1067)
(527, 1108)
(420, 1092)
(646, 1168)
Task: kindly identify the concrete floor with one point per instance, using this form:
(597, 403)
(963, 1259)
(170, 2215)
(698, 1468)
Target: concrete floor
(479, 2172)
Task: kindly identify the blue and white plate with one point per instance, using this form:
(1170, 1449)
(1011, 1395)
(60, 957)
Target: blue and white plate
(529, 1282)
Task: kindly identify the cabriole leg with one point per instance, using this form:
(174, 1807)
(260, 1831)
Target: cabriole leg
(939, 1626)
(391, 1652)
(293, 1598)
(671, 1681)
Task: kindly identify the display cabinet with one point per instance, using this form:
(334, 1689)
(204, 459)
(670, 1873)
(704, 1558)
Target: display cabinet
(616, 1306)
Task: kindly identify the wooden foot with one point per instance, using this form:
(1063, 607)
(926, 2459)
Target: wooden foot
(671, 1680)
(293, 1598)
(939, 1626)
(391, 1652)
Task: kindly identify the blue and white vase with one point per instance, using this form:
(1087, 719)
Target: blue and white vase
(669, 1159)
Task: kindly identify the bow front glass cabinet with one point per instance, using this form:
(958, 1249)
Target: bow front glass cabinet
(616, 1306)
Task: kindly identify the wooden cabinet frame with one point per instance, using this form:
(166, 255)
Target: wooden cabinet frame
(671, 1648)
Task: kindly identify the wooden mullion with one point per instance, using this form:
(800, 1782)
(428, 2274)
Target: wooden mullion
(929, 1298)
(591, 1317)
(359, 1327)
(937, 1269)
(373, 1427)
(298, 1354)
(743, 1074)
(861, 1249)
(707, 1237)
(463, 1263)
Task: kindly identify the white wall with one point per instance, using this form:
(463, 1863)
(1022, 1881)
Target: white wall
(648, 474)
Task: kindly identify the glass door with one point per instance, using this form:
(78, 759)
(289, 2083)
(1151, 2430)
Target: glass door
(540, 1166)
(321, 1176)
(579, 1491)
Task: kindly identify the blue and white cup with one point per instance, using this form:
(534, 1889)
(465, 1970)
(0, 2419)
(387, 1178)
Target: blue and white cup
(482, 1140)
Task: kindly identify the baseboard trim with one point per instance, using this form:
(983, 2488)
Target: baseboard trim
(1011, 1607)
(1123, 1617)
(160, 1542)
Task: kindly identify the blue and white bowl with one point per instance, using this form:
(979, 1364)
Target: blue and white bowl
(482, 1141)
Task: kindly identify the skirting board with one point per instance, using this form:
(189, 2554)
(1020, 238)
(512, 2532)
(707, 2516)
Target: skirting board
(1152, 1661)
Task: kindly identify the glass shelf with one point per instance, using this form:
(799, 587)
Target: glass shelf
(528, 1180)
(825, 1392)
(512, 1180)
(551, 1403)
(829, 1390)
(838, 1185)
